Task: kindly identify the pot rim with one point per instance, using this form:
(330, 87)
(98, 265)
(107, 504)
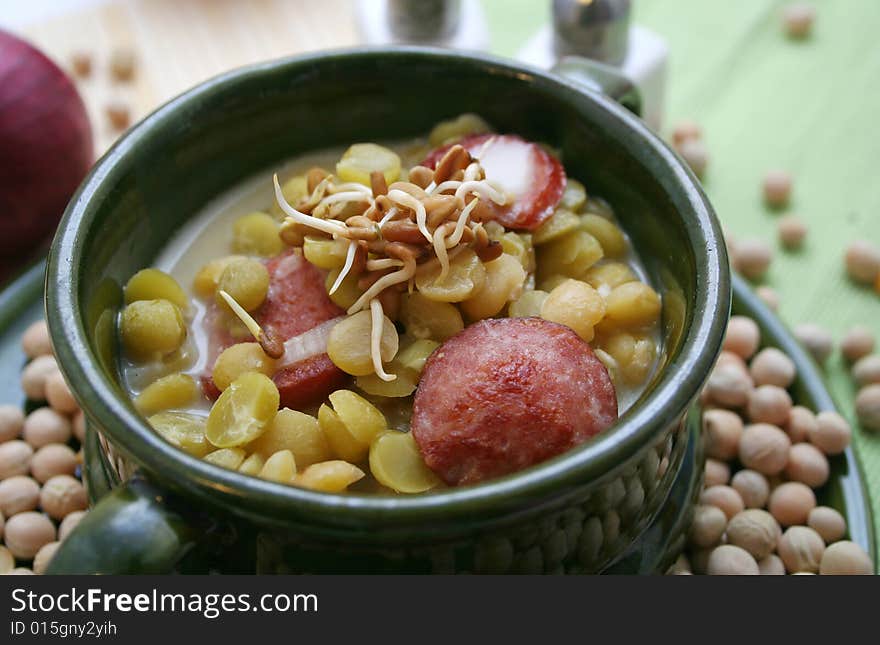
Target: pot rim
(675, 387)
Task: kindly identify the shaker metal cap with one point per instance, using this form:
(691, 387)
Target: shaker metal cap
(597, 29)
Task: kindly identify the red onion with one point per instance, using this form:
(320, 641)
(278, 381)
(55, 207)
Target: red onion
(45, 144)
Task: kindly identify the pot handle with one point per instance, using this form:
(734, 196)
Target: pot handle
(601, 78)
(131, 530)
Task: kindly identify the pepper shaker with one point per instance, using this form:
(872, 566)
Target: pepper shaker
(445, 23)
(601, 30)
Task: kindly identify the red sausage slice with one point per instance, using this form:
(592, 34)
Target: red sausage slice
(505, 394)
(296, 302)
(526, 172)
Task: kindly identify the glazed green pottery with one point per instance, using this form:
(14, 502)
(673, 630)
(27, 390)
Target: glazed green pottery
(575, 513)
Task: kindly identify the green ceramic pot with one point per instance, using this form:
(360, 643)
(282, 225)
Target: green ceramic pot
(575, 513)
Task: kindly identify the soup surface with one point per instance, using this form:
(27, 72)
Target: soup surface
(393, 318)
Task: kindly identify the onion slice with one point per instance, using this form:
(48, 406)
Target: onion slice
(307, 344)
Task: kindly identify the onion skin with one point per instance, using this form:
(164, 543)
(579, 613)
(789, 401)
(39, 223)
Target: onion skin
(45, 145)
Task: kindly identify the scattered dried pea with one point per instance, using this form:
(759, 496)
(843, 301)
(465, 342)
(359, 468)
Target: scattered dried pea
(730, 560)
(708, 526)
(832, 433)
(15, 458)
(53, 459)
(742, 337)
(771, 366)
(35, 341)
(752, 487)
(845, 558)
(862, 261)
(857, 343)
(753, 258)
(777, 188)
(62, 495)
(18, 494)
(44, 426)
(722, 429)
(868, 407)
(816, 340)
(34, 375)
(26, 533)
(754, 530)
(792, 231)
(797, 18)
(791, 502)
(696, 155)
(11, 422)
(764, 448)
(828, 523)
(867, 370)
(801, 549)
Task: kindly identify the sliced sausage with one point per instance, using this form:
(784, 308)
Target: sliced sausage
(524, 170)
(297, 301)
(505, 394)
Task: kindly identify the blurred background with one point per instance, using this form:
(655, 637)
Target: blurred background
(768, 89)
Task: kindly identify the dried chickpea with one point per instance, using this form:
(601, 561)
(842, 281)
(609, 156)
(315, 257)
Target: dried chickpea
(730, 560)
(58, 394)
(205, 282)
(798, 18)
(631, 305)
(863, 261)
(561, 223)
(35, 341)
(528, 304)
(729, 385)
(153, 284)
(295, 431)
(792, 231)
(243, 411)
(807, 464)
(605, 276)
(79, 426)
(44, 557)
(169, 392)
(832, 434)
(769, 404)
(465, 278)
(342, 442)
(857, 343)
(247, 281)
(769, 296)
(11, 422)
(425, 318)
(186, 431)
(717, 473)
(151, 329)
(801, 549)
(743, 337)
(708, 526)
(504, 281)
(280, 467)
(845, 559)
(685, 130)
(867, 370)
(816, 340)
(777, 188)
(396, 462)
(753, 258)
(62, 495)
(69, 523)
(696, 155)
(801, 423)
(230, 458)
(18, 494)
(44, 426)
(828, 523)
(26, 533)
(772, 565)
(53, 459)
(34, 375)
(118, 113)
(239, 359)
(723, 497)
(754, 530)
(722, 430)
(329, 476)
(576, 305)
(770, 366)
(752, 486)
(348, 345)
(122, 64)
(15, 458)
(868, 407)
(570, 255)
(611, 238)
(764, 448)
(256, 234)
(791, 502)
(81, 63)
(7, 560)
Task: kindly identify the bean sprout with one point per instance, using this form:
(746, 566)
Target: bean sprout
(378, 322)
(349, 261)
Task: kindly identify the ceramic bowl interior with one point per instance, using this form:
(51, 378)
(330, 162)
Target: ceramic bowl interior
(249, 120)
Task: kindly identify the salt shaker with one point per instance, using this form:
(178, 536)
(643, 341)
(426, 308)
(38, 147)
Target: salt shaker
(600, 30)
(444, 23)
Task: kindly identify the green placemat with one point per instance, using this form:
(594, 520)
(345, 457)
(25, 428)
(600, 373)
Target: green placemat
(764, 101)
